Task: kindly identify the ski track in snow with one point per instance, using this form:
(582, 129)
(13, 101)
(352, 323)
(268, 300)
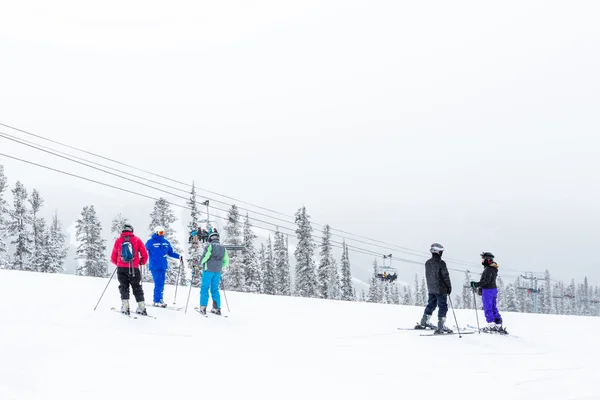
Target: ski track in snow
(54, 346)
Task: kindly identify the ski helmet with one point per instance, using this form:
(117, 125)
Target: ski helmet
(487, 255)
(214, 235)
(159, 230)
(436, 248)
(127, 228)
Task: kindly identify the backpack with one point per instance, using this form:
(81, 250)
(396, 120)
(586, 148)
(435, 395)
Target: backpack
(126, 250)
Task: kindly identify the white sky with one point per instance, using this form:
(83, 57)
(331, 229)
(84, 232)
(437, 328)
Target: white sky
(466, 123)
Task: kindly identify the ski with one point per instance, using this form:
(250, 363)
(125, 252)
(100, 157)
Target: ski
(197, 309)
(493, 332)
(170, 308)
(126, 315)
(446, 334)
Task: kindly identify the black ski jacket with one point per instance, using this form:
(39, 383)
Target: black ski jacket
(438, 278)
(488, 277)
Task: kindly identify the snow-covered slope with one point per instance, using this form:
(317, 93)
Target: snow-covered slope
(54, 346)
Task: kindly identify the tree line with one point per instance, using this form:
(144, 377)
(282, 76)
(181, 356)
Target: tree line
(30, 243)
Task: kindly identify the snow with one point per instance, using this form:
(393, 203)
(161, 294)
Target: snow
(54, 346)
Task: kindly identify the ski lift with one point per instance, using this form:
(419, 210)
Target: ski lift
(386, 273)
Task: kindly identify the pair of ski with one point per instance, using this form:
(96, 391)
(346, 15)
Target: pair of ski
(463, 331)
(197, 309)
(132, 315)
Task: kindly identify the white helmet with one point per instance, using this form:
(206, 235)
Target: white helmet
(159, 229)
(436, 248)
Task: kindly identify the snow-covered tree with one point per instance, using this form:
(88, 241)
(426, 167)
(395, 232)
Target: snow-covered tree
(55, 248)
(324, 268)
(394, 294)
(467, 292)
(375, 294)
(348, 292)
(163, 215)
(501, 300)
(116, 226)
(408, 297)
(38, 231)
(363, 297)
(269, 268)
(91, 249)
(306, 278)
(282, 265)
(234, 279)
(419, 301)
(4, 220)
(195, 249)
(21, 220)
(262, 254)
(511, 298)
(424, 291)
(335, 290)
(249, 260)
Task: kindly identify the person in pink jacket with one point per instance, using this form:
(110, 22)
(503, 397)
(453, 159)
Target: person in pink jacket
(128, 254)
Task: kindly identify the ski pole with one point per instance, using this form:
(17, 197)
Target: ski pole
(190, 292)
(476, 313)
(177, 283)
(113, 274)
(455, 320)
(225, 294)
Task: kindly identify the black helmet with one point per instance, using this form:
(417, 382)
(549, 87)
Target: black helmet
(214, 235)
(436, 248)
(487, 255)
(127, 228)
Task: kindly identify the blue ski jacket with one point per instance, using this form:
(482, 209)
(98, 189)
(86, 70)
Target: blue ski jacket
(158, 249)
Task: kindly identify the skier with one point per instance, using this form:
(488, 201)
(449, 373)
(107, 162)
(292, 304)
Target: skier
(214, 260)
(128, 254)
(439, 288)
(489, 293)
(159, 248)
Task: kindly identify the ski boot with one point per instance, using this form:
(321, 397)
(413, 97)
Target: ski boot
(215, 309)
(202, 310)
(161, 304)
(491, 327)
(425, 323)
(441, 327)
(125, 307)
(141, 308)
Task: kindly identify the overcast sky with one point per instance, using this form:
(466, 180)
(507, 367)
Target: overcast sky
(466, 123)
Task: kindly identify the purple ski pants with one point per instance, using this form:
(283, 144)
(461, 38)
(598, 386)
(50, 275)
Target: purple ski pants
(488, 297)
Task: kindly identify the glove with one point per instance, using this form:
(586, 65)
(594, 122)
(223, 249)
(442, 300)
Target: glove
(473, 284)
(180, 258)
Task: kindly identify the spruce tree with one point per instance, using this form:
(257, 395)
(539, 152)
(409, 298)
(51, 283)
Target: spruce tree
(163, 215)
(306, 278)
(249, 260)
(234, 278)
(38, 231)
(501, 300)
(269, 277)
(395, 293)
(335, 290)
(375, 294)
(282, 265)
(547, 299)
(21, 220)
(363, 297)
(116, 226)
(4, 220)
(408, 297)
(55, 248)
(347, 288)
(324, 270)
(195, 249)
(511, 298)
(262, 254)
(467, 291)
(424, 291)
(419, 301)
(91, 250)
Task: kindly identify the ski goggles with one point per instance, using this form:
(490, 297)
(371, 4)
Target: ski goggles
(161, 233)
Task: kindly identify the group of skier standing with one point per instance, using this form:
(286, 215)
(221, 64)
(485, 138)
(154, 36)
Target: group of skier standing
(130, 253)
(439, 287)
